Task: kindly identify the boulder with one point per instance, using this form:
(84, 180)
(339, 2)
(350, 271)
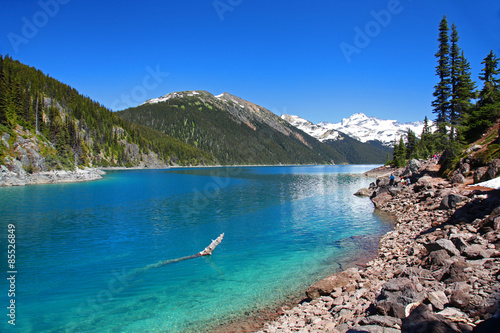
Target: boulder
(5, 140)
(456, 272)
(492, 171)
(395, 295)
(474, 252)
(457, 178)
(423, 183)
(373, 329)
(384, 321)
(438, 299)
(381, 199)
(439, 257)
(460, 295)
(326, 286)
(364, 192)
(459, 243)
(465, 169)
(422, 319)
(450, 201)
(443, 244)
(479, 174)
(413, 166)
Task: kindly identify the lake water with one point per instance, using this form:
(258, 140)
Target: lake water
(78, 246)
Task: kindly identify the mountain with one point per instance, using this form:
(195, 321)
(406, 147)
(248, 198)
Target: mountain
(359, 127)
(47, 125)
(233, 130)
(356, 152)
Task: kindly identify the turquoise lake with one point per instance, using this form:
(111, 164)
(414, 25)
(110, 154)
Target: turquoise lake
(77, 245)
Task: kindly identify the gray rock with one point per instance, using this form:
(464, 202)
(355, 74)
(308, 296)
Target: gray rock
(492, 171)
(5, 139)
(326, 286)
(364, 192)
(474, 252)
(438, 299)
(395, 295)
(373, 329)
(479, 174)
(443, 244)
(381, 199)
(457, 272)
(465, 169)
(451, 200)
(439, 257)
(474, 148)
(422, 319)
(459, 243)
(414, 166)
(394, 191)
(385, 321)
(460, 296)
(457, 178)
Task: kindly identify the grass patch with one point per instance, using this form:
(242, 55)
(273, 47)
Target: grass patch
(489, 138)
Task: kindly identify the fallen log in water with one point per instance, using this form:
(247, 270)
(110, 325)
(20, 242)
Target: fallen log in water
(207, 251)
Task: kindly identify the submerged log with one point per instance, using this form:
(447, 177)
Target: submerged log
(207, 251)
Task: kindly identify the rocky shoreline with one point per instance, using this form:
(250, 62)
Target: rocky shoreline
(437, 271)
(22, 178)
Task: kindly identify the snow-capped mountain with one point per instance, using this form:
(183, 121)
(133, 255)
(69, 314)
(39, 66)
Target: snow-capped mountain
(358, 126)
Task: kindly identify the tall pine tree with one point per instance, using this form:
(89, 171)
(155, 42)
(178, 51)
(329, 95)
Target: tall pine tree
(442, 92)
(489, 77)
(454, 112)
(487, 109)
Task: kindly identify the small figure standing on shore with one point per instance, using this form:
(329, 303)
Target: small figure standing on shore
(391, 180)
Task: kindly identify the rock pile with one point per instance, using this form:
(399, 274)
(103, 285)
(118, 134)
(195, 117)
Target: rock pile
(437, 271)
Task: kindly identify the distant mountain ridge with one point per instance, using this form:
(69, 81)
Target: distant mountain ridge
(358, 126)
(233, 130)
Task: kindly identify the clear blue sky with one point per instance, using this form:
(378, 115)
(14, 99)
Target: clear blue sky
(297, 57)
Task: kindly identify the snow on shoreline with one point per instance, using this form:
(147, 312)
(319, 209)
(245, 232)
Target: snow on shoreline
(493, 183)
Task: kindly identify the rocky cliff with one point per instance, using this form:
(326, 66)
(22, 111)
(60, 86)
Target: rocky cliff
(28, 160)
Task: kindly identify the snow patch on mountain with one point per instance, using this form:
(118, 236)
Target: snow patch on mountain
(358, 126)
(171, 95)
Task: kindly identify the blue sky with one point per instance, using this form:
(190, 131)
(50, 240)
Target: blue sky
(298, 57)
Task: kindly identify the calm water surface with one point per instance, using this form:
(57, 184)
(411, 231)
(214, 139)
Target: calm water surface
(77, 245)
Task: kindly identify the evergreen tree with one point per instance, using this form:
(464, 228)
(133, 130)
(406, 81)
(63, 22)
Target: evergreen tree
(442, 91)
(411, 144)
(454, 112)
(426, 144)
(488, 107)
(491, 82)
(399, 154)
(466, 92)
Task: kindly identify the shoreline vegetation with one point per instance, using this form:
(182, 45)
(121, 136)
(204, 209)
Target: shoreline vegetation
(438, 270)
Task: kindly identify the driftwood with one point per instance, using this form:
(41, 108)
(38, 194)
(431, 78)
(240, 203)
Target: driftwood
(209, 249)
(206, 252)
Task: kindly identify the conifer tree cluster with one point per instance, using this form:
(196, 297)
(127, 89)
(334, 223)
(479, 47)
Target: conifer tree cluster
(462, 112)
(83, 132)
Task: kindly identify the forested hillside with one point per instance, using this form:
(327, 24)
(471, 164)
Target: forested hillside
(356, 152)
(70, 130)
(233, 130)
